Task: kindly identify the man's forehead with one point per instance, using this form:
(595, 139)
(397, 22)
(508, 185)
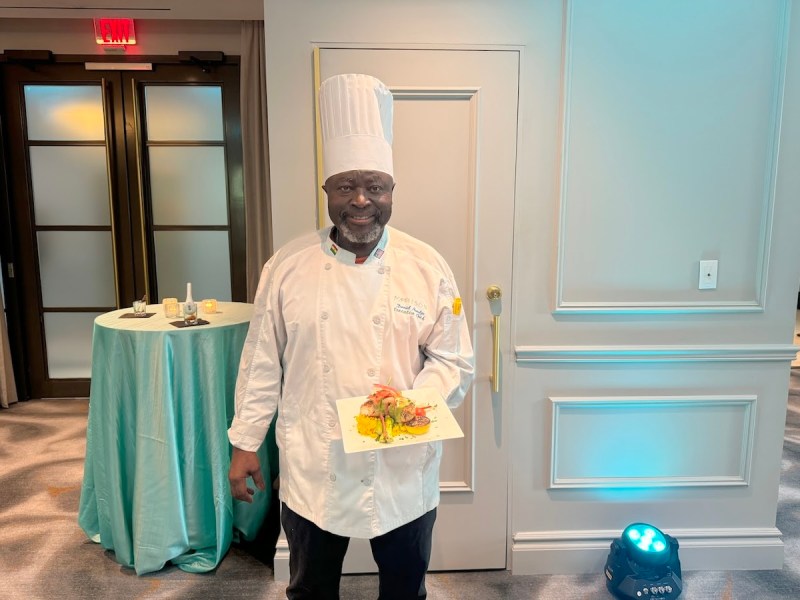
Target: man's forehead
(353, 176)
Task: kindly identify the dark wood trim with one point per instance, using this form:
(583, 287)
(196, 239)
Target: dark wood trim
(65, 388)
(116, 127)
(27, 273)
(231, 107)
(134, 161)
(7, 255)
(72, 227)
(178, 144)
(90, 143)
(191, 228)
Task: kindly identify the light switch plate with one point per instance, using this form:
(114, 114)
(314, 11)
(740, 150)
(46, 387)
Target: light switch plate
(708, 275)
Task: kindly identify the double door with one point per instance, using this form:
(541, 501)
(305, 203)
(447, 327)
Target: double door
(120, 184)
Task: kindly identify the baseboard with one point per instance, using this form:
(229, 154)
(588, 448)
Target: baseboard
(575, 552)
(281, 572)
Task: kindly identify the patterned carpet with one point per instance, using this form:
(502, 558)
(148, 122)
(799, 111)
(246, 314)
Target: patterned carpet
(44, 554)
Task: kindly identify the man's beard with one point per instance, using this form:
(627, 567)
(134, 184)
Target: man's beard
(373, 234)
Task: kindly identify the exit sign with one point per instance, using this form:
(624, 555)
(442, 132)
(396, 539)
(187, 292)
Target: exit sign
(114, 32)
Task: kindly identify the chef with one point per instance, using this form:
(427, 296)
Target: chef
(337, 311)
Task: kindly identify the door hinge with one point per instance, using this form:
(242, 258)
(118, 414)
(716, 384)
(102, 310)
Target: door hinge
(11, 270)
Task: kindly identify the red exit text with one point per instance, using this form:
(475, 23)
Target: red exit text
(114, 32)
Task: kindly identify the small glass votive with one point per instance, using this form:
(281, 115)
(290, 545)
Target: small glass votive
(171, 308)
(209, 306)
(139, 308)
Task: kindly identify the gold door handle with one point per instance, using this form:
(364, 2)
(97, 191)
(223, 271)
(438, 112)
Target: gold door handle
(494, 294)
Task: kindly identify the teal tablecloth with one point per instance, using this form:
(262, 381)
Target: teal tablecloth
(155, 485)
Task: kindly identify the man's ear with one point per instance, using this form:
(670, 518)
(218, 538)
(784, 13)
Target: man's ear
(324, 189)
(393, 184)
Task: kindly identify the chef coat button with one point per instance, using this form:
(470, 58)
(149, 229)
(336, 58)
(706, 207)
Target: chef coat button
(366, 481)
(333, 477)
(381, 270)
(371, 372)
(324, 315)
(327, 266)
(376, 319)
(332, 423)
(326, 368)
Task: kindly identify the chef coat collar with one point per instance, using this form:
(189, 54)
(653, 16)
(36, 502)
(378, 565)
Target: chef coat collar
(333, 249)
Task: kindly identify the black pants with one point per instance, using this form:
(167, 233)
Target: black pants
(316, 557)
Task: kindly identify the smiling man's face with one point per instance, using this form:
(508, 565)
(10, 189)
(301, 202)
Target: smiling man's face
(360, 205)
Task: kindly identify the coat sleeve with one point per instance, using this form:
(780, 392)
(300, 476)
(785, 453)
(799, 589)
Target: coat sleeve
(449, 364)
(258, 384)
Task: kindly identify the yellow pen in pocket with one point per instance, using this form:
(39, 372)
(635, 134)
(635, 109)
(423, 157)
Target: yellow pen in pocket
(456, 306)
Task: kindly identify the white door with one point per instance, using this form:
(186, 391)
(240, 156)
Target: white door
(455, 134)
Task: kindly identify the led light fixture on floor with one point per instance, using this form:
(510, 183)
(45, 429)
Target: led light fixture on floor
(643, 563)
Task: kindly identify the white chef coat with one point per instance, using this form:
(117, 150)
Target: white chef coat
(326, 328)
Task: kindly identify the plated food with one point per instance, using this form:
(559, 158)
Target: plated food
(387, 413)
(414, 416)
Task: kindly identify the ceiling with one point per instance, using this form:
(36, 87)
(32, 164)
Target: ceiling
(138, 9)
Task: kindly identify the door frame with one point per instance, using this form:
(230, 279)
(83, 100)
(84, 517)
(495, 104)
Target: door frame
(505, 396)
(7, 267)
(127, 219)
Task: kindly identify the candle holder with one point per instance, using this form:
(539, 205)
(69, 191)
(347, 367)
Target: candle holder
(171, 308)
(139, 308)
(209, 306)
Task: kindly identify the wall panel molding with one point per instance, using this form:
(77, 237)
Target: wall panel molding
(651, 441)
(629, 354)
(665, 287)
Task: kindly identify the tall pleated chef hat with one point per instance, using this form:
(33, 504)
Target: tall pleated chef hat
(356, 118)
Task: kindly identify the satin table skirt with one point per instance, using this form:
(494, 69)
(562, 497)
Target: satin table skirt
(155, 486)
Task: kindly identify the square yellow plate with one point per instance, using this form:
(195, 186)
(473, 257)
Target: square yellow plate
(443, 424)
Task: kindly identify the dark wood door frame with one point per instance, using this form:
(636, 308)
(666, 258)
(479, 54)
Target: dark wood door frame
(131, 214)
(8, 274)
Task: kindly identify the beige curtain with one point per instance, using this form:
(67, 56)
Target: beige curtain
(258, 216)
(8, 391)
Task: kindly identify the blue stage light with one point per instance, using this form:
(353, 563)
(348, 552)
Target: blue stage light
(643, 563)
(646, 542)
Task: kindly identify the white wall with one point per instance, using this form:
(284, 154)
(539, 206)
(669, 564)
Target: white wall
(653, 135)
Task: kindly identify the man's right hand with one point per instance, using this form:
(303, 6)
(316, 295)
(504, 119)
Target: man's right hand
(244, 464)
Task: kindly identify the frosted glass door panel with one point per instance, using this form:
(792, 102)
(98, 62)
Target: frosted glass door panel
(70, 185)
(64, 113)
(69, 344)
(184, 113)
(188, 185)
(197, 256)
(76, 269)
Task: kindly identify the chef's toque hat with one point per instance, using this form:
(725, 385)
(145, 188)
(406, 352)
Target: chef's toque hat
(356, 118)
